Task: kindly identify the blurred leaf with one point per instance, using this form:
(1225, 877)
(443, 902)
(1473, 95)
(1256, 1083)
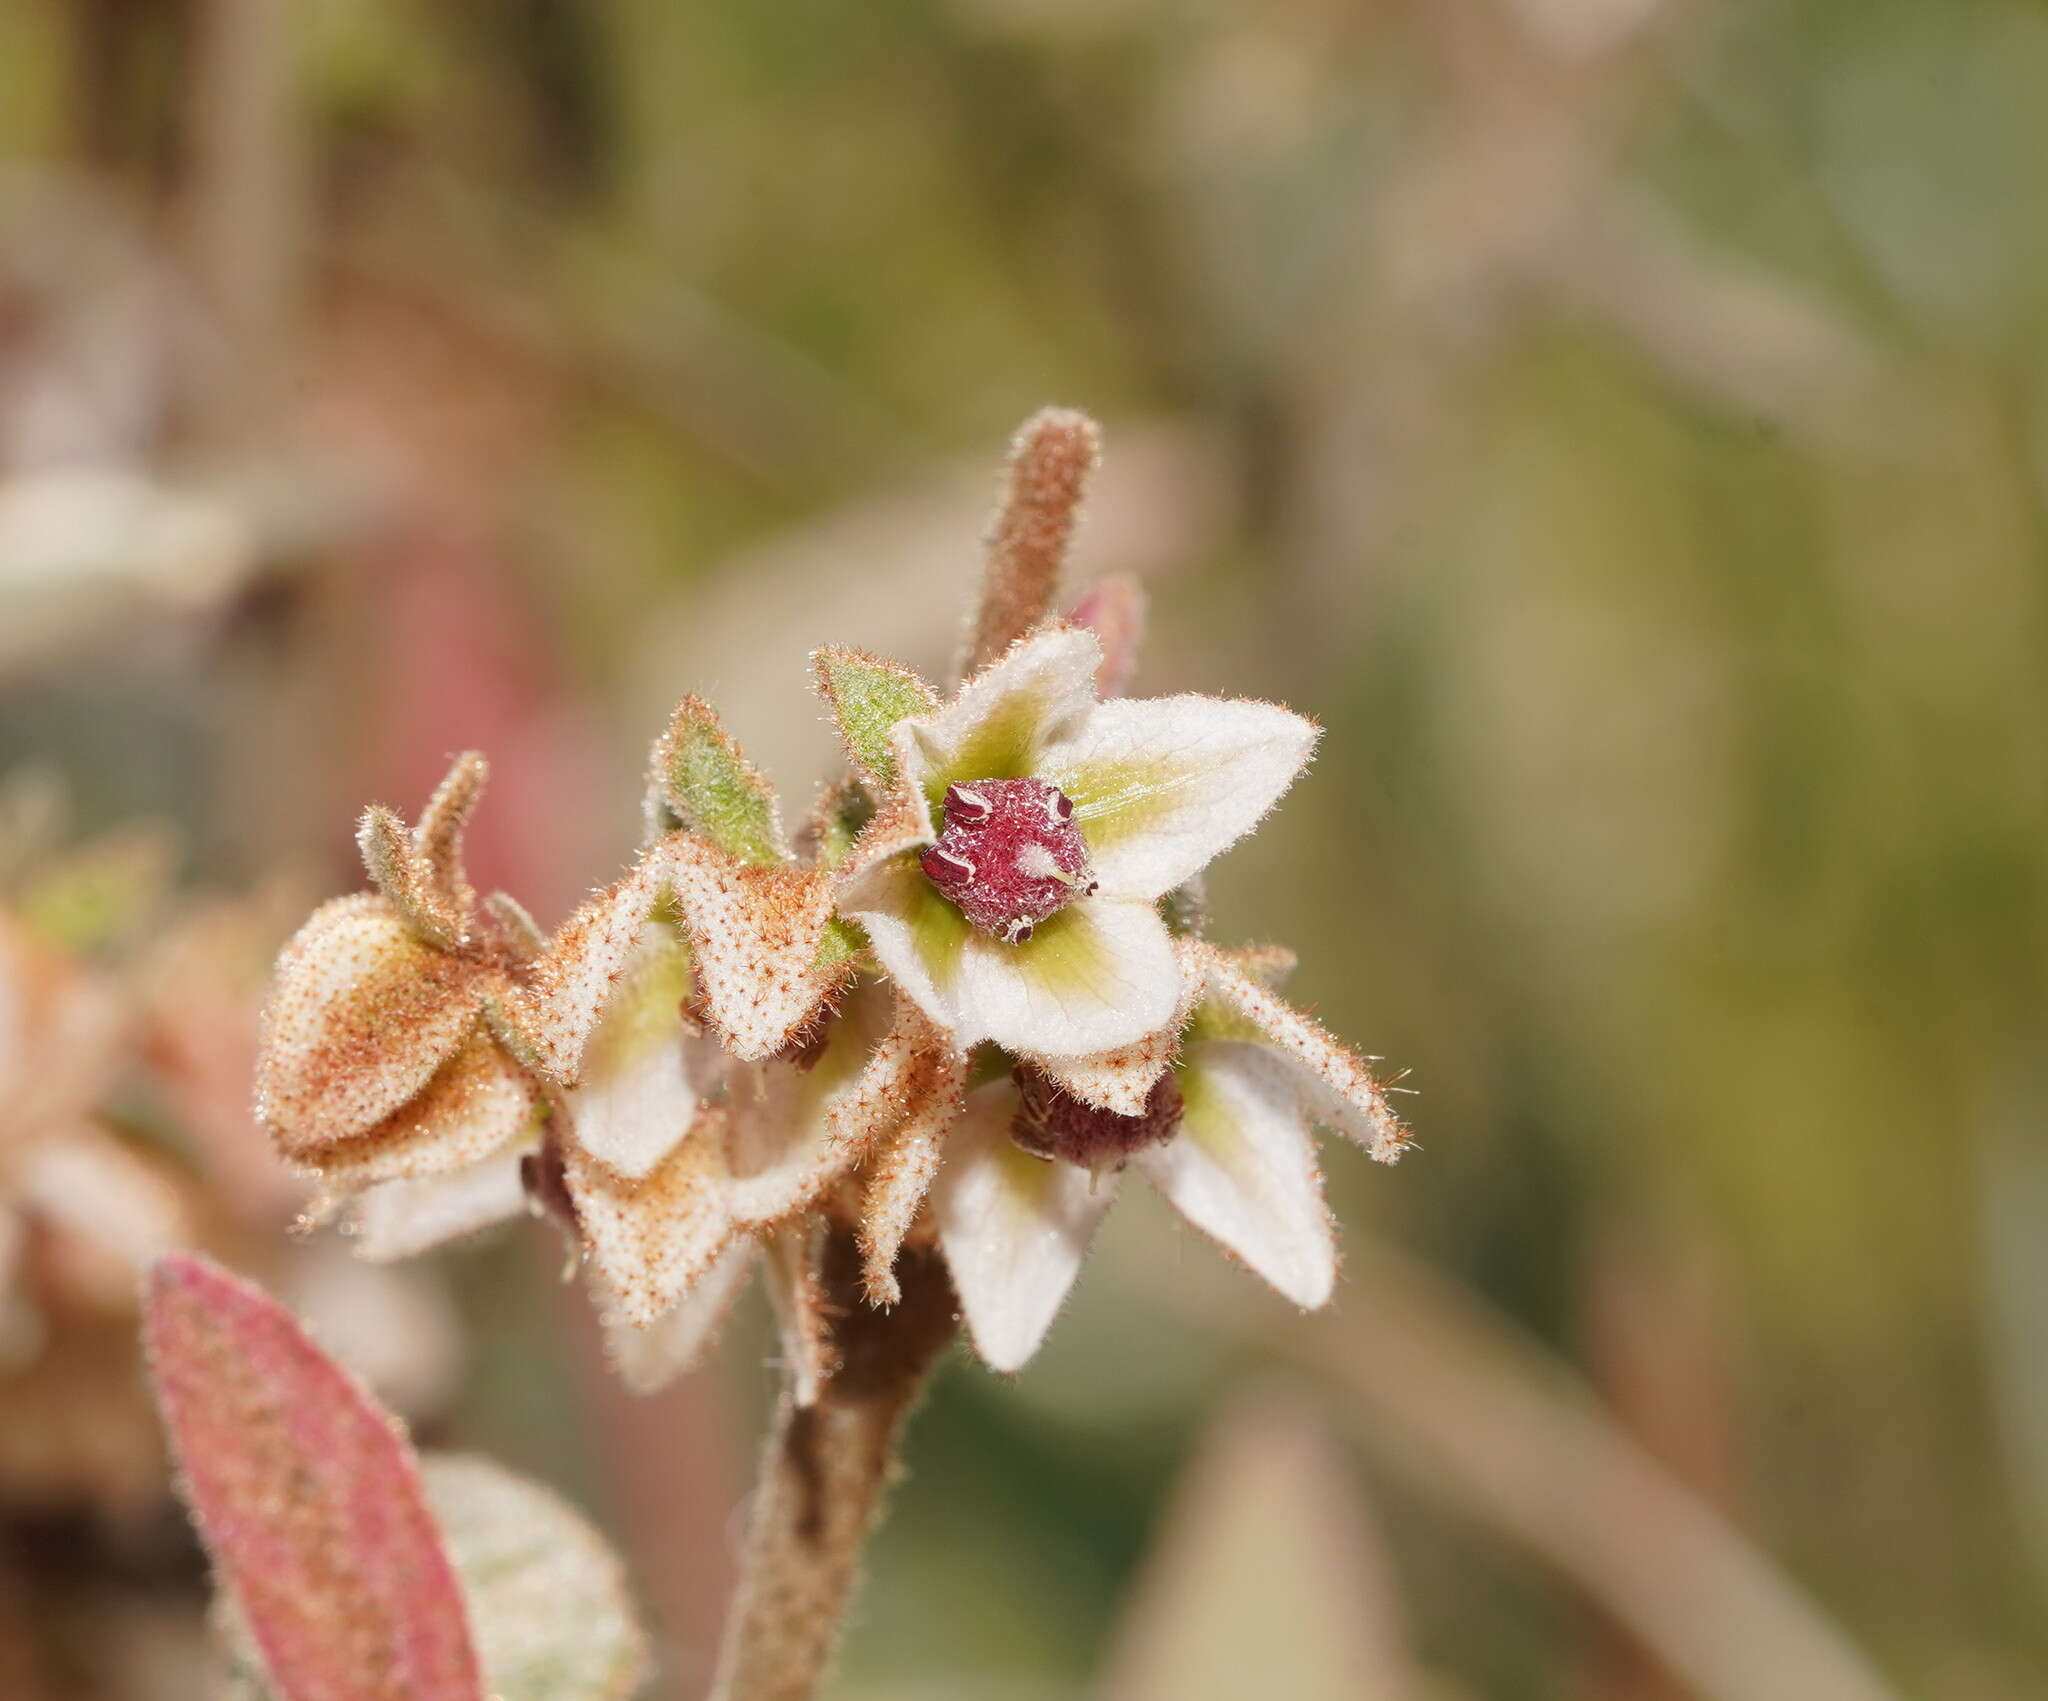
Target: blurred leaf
(1267, 1578)
(308, 1496)
(548, 1599)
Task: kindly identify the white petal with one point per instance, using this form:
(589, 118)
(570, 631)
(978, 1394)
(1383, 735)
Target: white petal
(397, 1219)
(1161, 785)
(795, 1131)
(1243, 1168)
(644, 1071)
(916, 933)
(1014, 1229)
(649, 1359)
(1336, 1080)
(1123, 1079)
(1099, 975)
(1036, 694)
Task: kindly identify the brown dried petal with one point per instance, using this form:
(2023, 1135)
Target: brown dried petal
(935, 1088)
(361, 1015)
(651, 1239)
(478, 1102)
(755, 932)
(557, 999)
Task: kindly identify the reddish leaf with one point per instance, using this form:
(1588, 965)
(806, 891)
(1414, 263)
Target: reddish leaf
(309, 1498)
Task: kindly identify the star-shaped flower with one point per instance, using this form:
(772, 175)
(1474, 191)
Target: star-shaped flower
(1011, 884)
(1218, 1117)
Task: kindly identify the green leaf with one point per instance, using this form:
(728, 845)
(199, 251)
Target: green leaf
(867, 697)
(713, 790)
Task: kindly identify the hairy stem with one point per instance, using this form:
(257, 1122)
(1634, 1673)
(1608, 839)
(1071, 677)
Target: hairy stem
(823, 1477)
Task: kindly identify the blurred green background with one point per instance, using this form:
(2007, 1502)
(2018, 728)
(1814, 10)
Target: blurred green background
(1622, 423)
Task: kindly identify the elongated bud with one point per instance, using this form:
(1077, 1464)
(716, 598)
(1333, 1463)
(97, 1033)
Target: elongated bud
(437, 840)
(1027, 545)
(1114, 610)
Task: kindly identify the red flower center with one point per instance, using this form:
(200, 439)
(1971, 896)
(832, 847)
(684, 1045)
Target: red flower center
(1052, 1123)
(1010, 855)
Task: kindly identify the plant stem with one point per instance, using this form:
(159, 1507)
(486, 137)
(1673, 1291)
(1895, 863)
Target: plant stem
(823, 1476)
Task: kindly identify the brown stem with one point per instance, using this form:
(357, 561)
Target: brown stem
(823, 1476)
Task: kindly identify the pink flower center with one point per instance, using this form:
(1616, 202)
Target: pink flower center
(1052, 1123)
(1010, 855)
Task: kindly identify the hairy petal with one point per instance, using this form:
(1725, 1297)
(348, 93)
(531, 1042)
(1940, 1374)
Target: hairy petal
(360, 1016)
(1161, 785)
(437, 840)
(648, 1359)
(1014, 1229)
(1036, 694)
(400, 1219)
(1122, 1080)
(1243, 1168)
(1338, 1083)
(651, 1239)
(796, 1131)
(405, 882)
(1099, 975)
(903, 1171)
(644, 1070)
(478, 1102)
(756, 934)
(554, 1005)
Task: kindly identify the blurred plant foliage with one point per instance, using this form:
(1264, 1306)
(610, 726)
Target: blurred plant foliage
(1624, 423)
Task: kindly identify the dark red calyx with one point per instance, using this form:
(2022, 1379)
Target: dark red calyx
(1009, 856)
(1052, 1123)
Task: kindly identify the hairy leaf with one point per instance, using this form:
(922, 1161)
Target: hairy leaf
(309, 1498)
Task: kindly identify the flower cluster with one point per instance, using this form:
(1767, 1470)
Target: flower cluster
(952, 1008)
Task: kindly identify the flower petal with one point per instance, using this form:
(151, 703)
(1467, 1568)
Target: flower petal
(398, 1219)
(649, 1359)
(755, 934)
(796, 1131)
(360, 1016)
(798, 1297)
(557, 1001)
(644, 1070)
(1243, 1168)
(1161, 785)
(1337, 1081)
(651, 1239)
(478, 1102)
(1122, 1080)
(1034, 695)
(1099, 975)
(903, 1171)
(1014, 1229)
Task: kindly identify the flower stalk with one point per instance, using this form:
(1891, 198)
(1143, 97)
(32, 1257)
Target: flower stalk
(824, 1472)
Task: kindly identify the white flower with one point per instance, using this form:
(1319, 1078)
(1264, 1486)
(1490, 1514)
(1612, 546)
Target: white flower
(1027, 912)
(1223, 1131)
